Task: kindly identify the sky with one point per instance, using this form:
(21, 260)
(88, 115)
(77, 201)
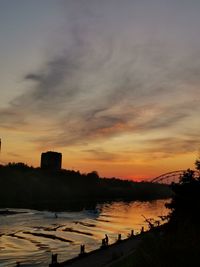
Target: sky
(112, 84)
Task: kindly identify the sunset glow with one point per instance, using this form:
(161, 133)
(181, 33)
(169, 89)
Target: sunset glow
(112, 85)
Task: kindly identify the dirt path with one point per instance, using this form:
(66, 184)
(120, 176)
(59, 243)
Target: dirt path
(103, 257)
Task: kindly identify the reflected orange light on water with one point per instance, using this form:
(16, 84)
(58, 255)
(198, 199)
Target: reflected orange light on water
(122, 218)
(32, 236)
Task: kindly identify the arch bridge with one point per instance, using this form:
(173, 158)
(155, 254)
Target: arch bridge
(170, 177)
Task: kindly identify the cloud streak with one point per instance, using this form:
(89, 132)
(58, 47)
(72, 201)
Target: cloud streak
(112, 75)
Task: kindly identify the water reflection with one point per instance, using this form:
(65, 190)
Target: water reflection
(30, 237)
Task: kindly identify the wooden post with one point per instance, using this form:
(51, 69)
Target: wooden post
(106, 239)
(54, 261)
(132, 233)
(54, 258)
(119, 237)
(82, 250)
(104, 243)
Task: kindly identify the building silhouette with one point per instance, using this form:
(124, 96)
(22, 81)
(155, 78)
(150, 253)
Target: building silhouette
(51, 160)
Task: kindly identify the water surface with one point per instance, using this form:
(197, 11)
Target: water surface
(31, 236)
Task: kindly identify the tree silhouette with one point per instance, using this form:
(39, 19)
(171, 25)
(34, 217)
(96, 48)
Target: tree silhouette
(197, 164)
(186, 200)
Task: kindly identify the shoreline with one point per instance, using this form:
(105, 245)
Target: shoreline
(108, 255)
(73, 205)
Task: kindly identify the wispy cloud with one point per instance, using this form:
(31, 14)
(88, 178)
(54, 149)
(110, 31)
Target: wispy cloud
(109, 78)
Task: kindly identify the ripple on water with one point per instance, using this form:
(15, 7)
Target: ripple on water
(30, 237)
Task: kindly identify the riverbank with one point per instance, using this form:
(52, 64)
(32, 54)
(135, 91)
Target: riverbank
(178, 244)
(32, 236)
(33, 188)
(106, 256)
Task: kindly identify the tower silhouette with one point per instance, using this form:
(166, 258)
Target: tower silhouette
(51, 161)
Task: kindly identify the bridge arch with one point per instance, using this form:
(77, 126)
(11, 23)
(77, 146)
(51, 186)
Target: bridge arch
(169, 177)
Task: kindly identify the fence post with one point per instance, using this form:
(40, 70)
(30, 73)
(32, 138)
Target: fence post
(132, 233)
(54, 261)
(82, 250)
(119, 238)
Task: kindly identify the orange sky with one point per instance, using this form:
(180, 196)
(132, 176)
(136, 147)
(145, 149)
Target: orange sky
(132, 164)
(113, 86)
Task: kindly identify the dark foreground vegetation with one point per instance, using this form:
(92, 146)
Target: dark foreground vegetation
(22, 186)
(177, 243)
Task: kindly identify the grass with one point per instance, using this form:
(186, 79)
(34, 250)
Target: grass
(166, 249)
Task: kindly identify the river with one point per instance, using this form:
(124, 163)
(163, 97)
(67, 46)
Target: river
(31, 236)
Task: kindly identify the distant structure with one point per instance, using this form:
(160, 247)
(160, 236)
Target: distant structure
(51, 160)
